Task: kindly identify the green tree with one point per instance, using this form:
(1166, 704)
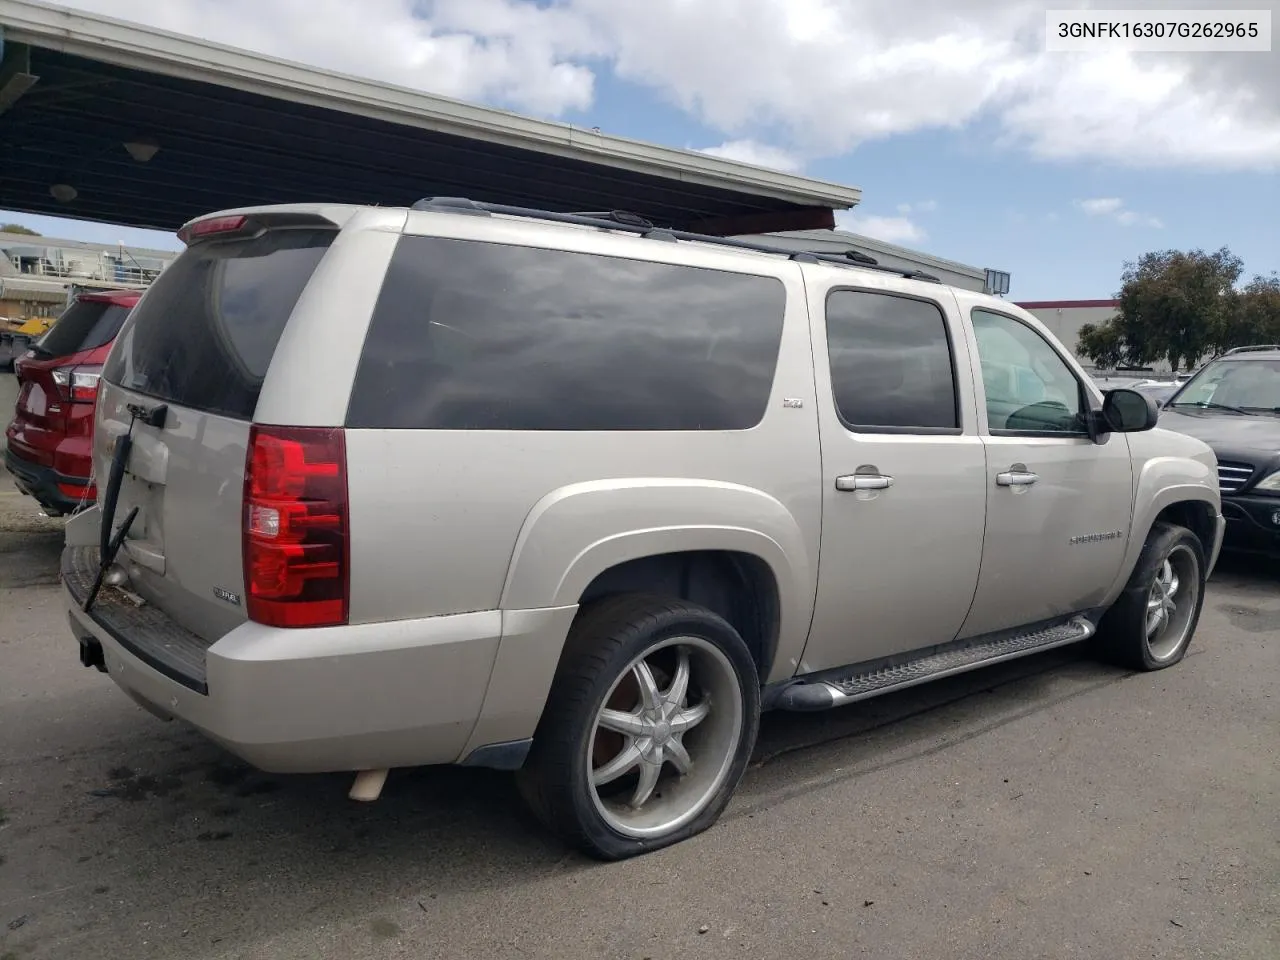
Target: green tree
(1256, 317)
(1103, 343)
(18, 228)
(1174, 306)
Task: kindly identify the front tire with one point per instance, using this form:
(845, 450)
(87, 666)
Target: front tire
(1151, 625)
(648, 727)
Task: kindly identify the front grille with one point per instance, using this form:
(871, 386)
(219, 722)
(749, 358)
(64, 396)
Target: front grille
(1233, 476)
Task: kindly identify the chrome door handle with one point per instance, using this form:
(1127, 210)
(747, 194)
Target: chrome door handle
(863, 481)
(1016, 478)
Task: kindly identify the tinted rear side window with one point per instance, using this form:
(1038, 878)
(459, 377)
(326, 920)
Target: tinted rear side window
(482, 336)
(206, 331)
(891, 365)
(86, 325)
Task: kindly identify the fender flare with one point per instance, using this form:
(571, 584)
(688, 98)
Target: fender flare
(1164, 482)
(572, 535)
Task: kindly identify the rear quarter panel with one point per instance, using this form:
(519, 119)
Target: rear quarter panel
(456, 521)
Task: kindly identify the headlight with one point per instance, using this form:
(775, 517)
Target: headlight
(1269, 484)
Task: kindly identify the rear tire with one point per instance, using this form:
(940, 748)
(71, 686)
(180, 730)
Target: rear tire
(648, 727)
(1151, 625)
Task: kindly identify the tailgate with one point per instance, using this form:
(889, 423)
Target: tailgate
(194, 353)
(186, 477)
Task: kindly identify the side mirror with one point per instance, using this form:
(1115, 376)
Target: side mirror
(1128, 411)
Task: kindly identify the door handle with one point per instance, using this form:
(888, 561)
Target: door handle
(1016, 478)
(863, 481)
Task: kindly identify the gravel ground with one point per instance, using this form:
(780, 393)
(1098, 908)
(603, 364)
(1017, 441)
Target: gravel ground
(1047, 808)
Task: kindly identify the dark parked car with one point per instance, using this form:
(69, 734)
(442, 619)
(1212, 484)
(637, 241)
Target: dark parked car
(1161, 391)
(1233, 404)
(49, 442)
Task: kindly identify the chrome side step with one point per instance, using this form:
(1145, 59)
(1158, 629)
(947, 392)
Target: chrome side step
(836, 688)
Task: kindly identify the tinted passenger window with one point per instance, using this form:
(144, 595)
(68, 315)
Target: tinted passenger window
(86, 325)
(1029, 387)
(205, 333)
(483, 336)
(890, 362)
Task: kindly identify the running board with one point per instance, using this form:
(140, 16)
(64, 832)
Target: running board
(836, 688)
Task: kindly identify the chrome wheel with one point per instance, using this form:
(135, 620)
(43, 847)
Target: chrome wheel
(664, 740)
(1171, 603)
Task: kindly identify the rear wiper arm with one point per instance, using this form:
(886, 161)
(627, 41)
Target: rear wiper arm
(109, 545)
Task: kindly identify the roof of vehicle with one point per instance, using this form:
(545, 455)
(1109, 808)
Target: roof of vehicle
(616, 221)
(1261, 351)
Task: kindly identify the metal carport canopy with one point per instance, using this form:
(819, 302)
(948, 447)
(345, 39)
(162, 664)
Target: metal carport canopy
(235, 128)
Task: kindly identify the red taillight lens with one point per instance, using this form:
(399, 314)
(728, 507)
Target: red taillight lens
(78, 491)
(203, 228)
(295, 526)
(78, 384)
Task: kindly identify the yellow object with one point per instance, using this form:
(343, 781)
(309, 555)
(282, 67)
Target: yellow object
(36, 326)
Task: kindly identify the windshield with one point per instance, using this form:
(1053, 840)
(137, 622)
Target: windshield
(1248, 386)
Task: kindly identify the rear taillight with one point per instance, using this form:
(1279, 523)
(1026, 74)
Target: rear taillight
(296, 566)
(78, 384)
(79, 491)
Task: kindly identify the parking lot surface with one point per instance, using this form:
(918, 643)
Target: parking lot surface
(1047, 808)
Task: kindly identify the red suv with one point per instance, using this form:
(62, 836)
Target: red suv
(50, 439)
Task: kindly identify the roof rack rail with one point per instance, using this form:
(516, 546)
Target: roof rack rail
(634, 223)
(1253, 348)
(857, 256)
(617, 216)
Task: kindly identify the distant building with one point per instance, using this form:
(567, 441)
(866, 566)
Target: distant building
(1064, 318)
(38, 274)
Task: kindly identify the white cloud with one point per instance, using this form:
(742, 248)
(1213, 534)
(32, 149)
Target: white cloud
(1113, 208)
(815, 77)
(888, 229)
(1100, 206)
(924, 206)
(502, 51)
(1148, 112)
(835, 73)
(756, 154)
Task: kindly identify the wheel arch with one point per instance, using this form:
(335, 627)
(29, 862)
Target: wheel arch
(584, 541)
(1195, 506)
(739, 586)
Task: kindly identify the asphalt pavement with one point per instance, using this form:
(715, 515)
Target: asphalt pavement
(1047, 808)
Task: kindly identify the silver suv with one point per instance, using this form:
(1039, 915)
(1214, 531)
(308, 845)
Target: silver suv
(580, 497)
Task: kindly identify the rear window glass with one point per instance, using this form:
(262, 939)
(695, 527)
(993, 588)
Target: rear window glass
(204, 334)
(85, 325)
(483, 336)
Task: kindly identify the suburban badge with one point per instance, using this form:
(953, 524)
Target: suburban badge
(1095, 537)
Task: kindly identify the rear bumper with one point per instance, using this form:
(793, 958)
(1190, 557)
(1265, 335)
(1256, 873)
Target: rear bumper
(41, 483)
(1253, 524)
(464, 688)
